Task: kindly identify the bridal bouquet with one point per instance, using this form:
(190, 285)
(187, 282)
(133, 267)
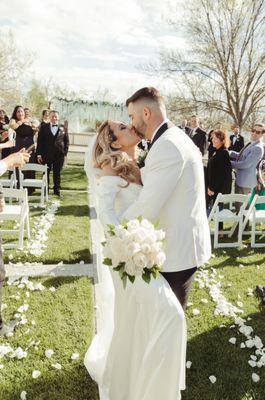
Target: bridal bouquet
(134, 248)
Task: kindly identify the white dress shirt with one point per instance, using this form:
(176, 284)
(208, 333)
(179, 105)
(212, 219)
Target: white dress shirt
(54, 129)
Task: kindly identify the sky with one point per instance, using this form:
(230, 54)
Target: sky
(91, 46)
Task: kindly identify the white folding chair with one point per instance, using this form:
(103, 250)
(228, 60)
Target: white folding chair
(41, 183)
(18, 212)
(228, 216)
(9, 182)
(257, 216)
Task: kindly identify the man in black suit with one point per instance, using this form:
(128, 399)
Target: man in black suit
(237, 141)
(197, 135)
(52, 148)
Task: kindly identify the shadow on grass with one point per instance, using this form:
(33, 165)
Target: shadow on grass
(60, 281)
(212, 354)
(73, 210)
(71, 383)
(74, 178)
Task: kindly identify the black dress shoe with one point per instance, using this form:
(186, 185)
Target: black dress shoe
(260, 291)
(56, 192)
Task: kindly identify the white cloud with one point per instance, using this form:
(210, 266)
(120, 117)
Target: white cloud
(91, 44)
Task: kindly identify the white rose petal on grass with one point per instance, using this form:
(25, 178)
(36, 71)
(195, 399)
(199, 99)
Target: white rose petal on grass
(252, 363)
(57, 366)
(196, 312)
(23, 395)
(188, 364)
(52, 289)
(36, 374)
(1, 366)
(49, 353)
(239, 303)
(212, 379)
(242, 346)
(232, 340)
(255, 377)
(74, 356)
(241, 266)
(204, 301)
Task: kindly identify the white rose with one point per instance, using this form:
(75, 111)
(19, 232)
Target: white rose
(115, 245)
(160, 235)
(130, 268)
(133, 248)
(150, 238)
(146, 248)
(160, 258)
(147, 225)
(133, 224)
(140, 260)
(140, 235)
(156, 247)
(119, 231)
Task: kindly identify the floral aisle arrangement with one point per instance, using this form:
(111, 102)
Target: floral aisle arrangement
(134, 249)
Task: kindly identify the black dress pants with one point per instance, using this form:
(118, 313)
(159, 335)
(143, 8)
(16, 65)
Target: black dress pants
(180, 282)
(56, 166)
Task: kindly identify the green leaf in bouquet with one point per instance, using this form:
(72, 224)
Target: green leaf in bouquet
(103, 243)
(121, 272)
(117, 268)
(124, 223)
(111, 229)
(107, 261)
(124, 280)
(146, 277)
(156, 224)
(140, 218)
(131, 278)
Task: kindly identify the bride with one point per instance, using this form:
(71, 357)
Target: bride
(140, 349)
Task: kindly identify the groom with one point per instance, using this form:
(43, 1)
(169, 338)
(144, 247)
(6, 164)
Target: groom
(173, 191)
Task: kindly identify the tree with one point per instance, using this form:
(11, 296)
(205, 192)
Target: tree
(223, 68)
(13, 66)
(36, 98)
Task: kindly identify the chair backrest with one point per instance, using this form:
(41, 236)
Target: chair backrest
(34, 167)
(20, 194)
(228, 199)
(260, 200)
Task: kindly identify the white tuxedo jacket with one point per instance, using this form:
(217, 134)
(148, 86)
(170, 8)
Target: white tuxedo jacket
(173, 193)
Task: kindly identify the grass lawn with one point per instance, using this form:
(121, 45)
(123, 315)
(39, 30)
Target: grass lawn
(63, 321)
(208, 344)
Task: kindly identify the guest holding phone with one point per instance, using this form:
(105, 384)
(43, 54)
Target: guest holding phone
(24, 137)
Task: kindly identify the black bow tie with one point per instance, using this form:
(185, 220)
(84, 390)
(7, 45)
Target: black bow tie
(55, 125)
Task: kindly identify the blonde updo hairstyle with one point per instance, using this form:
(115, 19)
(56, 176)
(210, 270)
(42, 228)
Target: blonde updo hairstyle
(105, 154)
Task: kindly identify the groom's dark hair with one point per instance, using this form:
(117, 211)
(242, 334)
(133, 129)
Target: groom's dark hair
(149, 93)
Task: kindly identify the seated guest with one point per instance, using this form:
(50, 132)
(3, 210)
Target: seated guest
(219, 169)
(236, 140)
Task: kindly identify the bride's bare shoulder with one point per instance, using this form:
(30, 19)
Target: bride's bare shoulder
(107, 171)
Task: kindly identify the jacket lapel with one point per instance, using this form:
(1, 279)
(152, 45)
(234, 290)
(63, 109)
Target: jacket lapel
(160, 132)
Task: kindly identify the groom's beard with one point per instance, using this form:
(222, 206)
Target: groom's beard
(140, 130)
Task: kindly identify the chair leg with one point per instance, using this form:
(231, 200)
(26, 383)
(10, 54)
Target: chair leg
(42, 197)
(28, 227)
(253, 233)
(216, 232)
(21, 235)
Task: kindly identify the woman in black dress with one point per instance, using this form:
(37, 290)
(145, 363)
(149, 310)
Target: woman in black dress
(219, 169)
(25, 132)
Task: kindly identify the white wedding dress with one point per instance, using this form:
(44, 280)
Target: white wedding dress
(139, 351)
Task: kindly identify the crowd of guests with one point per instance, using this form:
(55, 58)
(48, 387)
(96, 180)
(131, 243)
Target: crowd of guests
(47, 140)
(227, 154)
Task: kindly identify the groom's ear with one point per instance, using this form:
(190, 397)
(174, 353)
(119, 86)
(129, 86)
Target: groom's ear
(146, 112)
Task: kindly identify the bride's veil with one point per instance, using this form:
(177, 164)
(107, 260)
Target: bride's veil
(96, 356)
